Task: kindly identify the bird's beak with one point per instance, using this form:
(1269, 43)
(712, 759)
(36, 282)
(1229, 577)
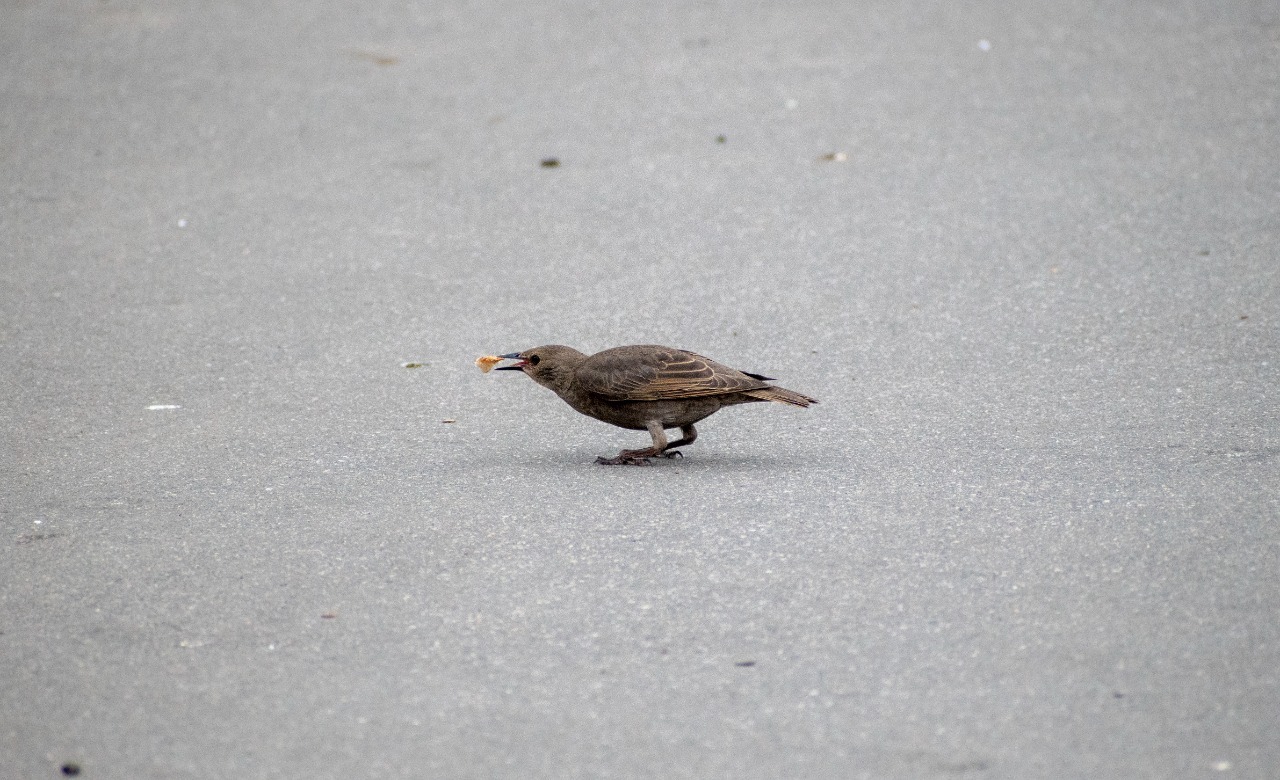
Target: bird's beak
(512, 356)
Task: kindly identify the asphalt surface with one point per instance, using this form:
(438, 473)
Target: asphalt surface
(1028, 257)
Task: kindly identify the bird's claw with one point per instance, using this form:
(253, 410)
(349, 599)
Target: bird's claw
(624, 460)
(638, 457)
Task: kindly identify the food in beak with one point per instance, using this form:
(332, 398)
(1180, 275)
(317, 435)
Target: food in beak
(486, 362)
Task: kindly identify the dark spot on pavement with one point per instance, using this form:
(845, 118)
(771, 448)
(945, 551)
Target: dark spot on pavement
(71, 769)
(29, 538)
(961, 767)
(744, 663)
(550, 162)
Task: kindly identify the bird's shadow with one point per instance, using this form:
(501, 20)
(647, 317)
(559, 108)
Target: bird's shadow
(705, 462)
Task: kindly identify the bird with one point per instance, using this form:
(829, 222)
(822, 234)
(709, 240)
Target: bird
(646, 387)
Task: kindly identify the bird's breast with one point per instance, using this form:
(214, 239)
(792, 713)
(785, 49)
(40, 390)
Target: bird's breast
(636, 415)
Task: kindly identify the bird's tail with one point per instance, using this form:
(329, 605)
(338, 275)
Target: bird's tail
(782, 395)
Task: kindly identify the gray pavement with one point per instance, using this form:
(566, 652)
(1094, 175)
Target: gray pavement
(1027, 256)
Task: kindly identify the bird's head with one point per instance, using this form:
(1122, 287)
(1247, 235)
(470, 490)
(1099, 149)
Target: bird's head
(551, 366)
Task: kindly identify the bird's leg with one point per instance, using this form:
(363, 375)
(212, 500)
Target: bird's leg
(640, 457)
(688, 434)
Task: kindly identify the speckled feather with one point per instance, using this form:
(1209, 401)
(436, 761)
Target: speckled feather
(650, 373)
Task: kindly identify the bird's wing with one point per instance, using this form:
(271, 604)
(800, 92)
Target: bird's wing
(646, 373)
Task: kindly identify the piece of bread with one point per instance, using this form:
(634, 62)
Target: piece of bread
(487, 362)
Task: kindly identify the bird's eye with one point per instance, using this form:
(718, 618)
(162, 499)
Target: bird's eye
(533, 359)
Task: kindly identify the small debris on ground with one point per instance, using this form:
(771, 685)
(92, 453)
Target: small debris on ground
(376, 58)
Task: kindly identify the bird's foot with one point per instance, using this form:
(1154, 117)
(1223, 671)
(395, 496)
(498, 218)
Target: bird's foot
(624, 460)
(638, 457)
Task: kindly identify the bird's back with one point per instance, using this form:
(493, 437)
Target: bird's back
(649, 372)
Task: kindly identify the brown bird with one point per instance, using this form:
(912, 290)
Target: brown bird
(646, 387)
